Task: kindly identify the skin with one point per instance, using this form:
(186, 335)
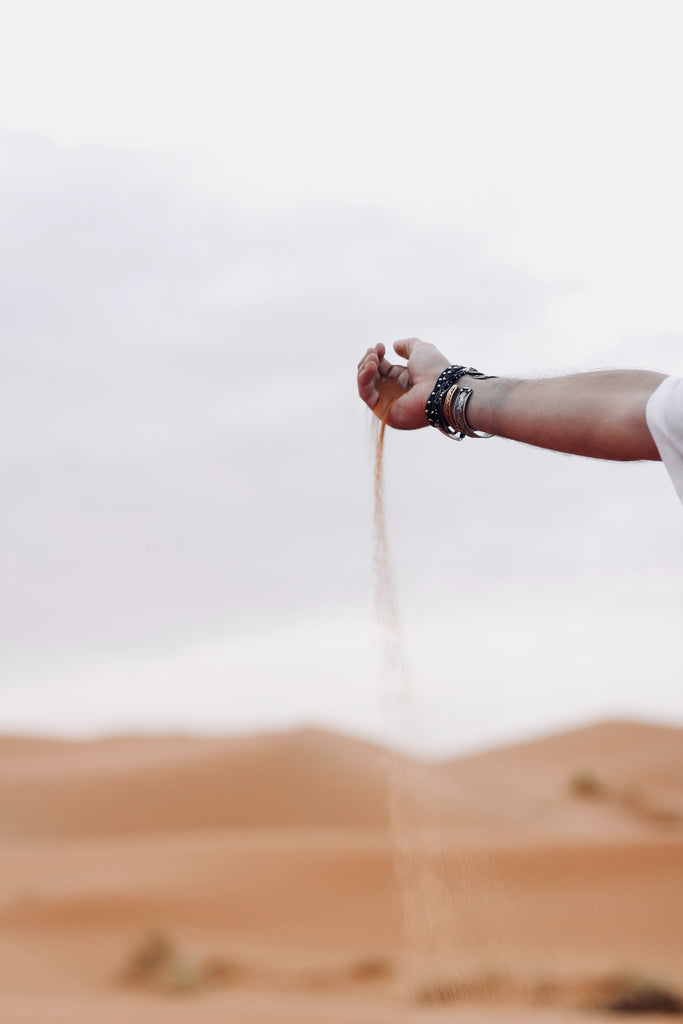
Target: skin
(600, 414)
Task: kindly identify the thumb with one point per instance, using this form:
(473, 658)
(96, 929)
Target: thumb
(405, 347)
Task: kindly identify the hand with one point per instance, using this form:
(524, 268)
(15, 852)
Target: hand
(379, 381)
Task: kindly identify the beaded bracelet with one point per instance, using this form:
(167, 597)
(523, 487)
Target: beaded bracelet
(444, 405)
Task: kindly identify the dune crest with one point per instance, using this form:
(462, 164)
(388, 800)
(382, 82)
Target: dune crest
(310, 777)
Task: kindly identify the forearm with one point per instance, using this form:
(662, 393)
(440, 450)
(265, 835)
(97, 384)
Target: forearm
(601, 414)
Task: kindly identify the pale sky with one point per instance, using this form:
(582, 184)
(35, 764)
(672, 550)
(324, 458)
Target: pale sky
(208, 211)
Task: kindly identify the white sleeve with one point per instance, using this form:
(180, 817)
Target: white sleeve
(664, 415)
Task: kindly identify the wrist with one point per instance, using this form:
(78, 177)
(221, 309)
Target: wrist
(487, 403)
(447, 405)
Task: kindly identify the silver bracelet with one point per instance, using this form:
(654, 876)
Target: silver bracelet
(455, 415)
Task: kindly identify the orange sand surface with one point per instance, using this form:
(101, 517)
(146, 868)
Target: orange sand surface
(263, 879)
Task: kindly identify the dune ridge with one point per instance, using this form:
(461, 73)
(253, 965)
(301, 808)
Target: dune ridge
(308, 777)
(302, 777)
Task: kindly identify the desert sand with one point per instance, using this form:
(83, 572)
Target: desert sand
(311, 877)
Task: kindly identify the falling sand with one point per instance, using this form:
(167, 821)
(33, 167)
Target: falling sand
(397, 676)
(437, 871)
(417, 883)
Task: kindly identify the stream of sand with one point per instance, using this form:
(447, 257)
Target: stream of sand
(434, 867)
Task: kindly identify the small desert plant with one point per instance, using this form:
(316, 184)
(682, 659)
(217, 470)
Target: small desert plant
(634, 994)
(158, 963)
(150, 958)
(585, 783)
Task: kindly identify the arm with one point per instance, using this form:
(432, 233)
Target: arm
(599, 414)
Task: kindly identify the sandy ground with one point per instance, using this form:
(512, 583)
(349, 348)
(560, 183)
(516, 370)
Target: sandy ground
(306, 876)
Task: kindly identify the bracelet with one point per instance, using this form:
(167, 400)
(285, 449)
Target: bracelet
(454, 408)
(436, 406)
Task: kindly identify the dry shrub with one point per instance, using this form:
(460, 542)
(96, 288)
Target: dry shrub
(629, 993)
(158, 963)
(619, 993)
(149, 961)
(586, 784)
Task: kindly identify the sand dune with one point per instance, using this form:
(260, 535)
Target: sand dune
(258, 877)
(311, 777)
(622, 755)
(304, 777)
(612, 774)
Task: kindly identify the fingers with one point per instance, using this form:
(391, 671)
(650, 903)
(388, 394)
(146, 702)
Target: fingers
(373, 363)
(374, 357)
(388, 369)
(368, 371)
(376, 350)
(405, 347)
(367, 367)
(371, 369)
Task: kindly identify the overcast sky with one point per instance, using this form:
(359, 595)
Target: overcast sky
(207, 213)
